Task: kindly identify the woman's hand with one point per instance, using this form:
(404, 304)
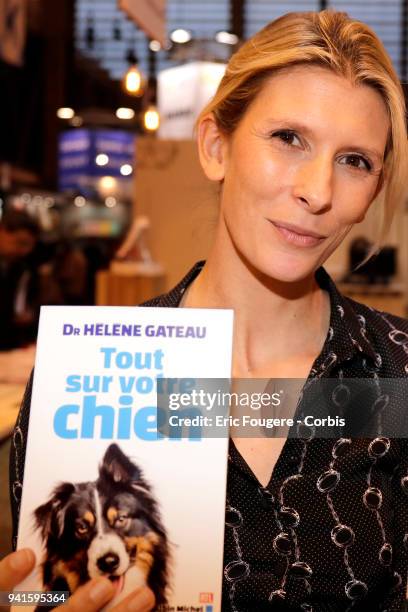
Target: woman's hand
(15, 567)
(96, 593)
(91, 597)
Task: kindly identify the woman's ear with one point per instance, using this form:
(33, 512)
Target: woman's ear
(211, 148)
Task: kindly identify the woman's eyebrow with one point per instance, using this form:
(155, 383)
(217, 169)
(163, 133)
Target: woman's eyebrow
(289, 124)
(301, 127)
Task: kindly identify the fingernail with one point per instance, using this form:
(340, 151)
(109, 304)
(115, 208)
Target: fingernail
(21, 560)
(101, 590)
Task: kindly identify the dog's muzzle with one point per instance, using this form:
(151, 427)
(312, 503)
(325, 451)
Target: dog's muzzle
(107, 556)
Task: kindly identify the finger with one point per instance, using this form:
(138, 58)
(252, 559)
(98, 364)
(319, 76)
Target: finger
(140, 600)
(90, 597)
(15, 567)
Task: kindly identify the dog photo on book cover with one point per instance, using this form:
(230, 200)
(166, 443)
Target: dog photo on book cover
(108, 527)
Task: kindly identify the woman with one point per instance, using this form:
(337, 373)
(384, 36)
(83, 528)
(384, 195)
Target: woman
(306, 130)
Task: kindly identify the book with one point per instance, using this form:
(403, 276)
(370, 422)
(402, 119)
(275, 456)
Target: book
(105, 493)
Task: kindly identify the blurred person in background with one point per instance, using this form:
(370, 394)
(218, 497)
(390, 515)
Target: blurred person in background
(71, 270)
(64, 276)
(19, 234)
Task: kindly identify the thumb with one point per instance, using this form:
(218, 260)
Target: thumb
(14, 567)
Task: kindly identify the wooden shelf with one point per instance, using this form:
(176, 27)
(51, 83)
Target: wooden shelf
(127, 289)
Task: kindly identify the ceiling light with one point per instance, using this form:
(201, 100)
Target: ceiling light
(126, 170)
(155, 46)
(125, 113)
(65, 112)
(102, 159)
(226, 37)
(80, 201)
(181, 36)
(107, 183)
(110, 202)
(133, 81)
(76, 121)
(151, 119)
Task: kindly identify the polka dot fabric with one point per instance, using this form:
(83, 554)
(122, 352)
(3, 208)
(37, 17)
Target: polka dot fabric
(329, 532)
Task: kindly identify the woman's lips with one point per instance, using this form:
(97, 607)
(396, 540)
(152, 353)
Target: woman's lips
(297, 235)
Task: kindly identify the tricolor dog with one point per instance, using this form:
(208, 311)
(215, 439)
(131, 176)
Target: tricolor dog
(109, 527)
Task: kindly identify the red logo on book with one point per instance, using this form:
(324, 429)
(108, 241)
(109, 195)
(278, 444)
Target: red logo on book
(206, 597)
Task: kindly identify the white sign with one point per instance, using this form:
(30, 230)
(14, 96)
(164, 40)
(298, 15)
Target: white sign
(182, 94)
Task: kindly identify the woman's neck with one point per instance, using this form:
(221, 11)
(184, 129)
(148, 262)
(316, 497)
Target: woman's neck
(275, 322)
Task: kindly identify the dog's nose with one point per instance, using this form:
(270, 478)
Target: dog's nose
(108, 563)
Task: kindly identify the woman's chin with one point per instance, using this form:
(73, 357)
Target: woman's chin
(287, 271)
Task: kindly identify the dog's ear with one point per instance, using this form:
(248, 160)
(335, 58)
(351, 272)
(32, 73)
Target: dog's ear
(117, 467)
(49, 517)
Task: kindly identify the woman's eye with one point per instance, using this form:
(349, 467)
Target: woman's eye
(356, 161)
(287, 137)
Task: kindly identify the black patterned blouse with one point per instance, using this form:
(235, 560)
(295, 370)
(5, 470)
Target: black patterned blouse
(329, 531)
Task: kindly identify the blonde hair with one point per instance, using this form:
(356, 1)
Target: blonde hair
(329, 39)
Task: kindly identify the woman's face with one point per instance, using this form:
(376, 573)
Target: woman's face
(301, 169)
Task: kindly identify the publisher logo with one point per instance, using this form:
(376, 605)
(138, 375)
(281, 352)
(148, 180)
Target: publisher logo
(207, 598)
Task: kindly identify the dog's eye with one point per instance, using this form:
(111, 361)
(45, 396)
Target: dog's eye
(82, 529)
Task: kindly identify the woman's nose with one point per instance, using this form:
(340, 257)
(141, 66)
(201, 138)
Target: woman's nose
(313, 184)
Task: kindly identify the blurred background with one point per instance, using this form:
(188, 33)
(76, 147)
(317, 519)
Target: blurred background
(102, 200)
